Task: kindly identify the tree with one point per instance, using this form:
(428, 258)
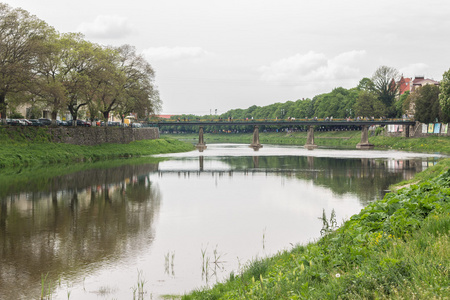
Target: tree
(20, 37)
(384, 80)
(80, 62)
(107, 81)
(368, 104)
(139, 93)
(366, 84)
(51, 75)
(427, 107)
(444, 96)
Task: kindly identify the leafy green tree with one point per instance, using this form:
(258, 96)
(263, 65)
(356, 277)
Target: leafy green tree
(51, 75)
(368, 105)
(384, 80)
(20, 37)
(139, 93)
(366, 84)
(427, 107)
(444, 96)
(402, 104)
(80, 61)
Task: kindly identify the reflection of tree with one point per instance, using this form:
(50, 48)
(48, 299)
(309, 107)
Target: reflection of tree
(97, 216)
(366, 178)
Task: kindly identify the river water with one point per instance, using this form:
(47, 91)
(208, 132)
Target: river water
(109, 231)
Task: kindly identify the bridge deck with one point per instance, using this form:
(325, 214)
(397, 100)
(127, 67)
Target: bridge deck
(303, 122)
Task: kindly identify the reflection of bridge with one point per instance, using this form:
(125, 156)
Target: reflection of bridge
(364, 169)
(364, 124)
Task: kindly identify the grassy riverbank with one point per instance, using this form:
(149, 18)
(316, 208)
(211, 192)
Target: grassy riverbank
(394, 248)
(35, 148)
(345, 139)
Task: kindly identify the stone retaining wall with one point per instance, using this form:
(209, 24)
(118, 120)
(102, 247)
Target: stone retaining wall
(99, 135)
(90, 136)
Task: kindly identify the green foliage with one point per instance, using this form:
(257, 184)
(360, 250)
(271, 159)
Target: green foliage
(16, 115)
(366, 84)
(444, 96)
(427, 107)
(337, 104)
(368, 104)
(64, 71)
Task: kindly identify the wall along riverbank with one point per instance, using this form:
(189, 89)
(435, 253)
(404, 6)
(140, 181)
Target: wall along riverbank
(35, 146)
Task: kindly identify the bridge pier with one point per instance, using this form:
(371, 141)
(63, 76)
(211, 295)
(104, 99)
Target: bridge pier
(364, 144)
(201, 143)
(310, 138)
(406, 131)
(255, 141)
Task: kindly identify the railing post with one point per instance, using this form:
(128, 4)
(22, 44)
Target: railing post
(364, 144)
(310, 138)
(201, 143)
(255, 140)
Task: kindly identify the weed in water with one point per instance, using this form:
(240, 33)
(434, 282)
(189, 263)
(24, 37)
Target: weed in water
(169, 263)
(264, 239)
(328, 226)
(43, 282)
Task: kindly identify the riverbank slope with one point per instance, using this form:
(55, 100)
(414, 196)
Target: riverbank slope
(35, 148)
(394, 248)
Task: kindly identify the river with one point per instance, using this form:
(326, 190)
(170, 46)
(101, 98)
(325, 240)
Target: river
(111, 231)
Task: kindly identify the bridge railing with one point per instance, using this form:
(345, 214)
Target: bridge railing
(288, 120)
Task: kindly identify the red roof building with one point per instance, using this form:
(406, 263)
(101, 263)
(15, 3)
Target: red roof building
(164, 116)
(404, 85)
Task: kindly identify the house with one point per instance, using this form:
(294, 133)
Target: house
(411, 85)
(421, 81)
(404, 85)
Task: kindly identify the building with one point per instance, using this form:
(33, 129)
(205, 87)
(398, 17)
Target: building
(411, 85)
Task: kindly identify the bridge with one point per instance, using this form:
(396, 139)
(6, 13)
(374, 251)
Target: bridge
(309, 123)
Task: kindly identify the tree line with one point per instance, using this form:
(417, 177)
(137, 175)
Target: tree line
(376, 97)
(63, 72)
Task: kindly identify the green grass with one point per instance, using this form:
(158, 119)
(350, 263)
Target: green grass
(395, 248)
(34, 148)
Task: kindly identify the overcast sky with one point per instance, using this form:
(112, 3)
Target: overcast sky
(227, 54)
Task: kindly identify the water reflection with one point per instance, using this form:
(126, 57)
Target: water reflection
(73, 224)
(110, 222)
(366, 178)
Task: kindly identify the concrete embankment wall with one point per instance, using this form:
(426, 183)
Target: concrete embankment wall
(90, 136)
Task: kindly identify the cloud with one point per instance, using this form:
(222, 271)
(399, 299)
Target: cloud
(109, 27)
(174, 53)
(313, 67)
(417, 69)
